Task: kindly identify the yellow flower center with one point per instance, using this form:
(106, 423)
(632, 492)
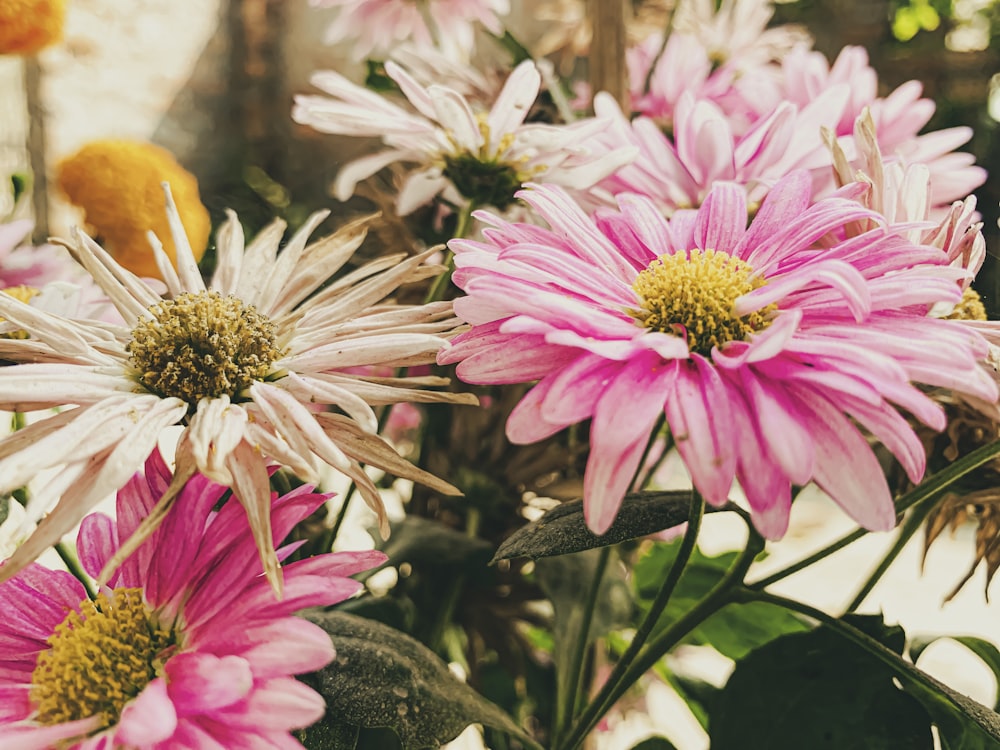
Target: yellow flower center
(696, 292)
(970, 308)
(23, 294)
(99, 659)
(202, 345)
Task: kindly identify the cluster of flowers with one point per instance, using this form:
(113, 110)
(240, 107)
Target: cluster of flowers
(763, 252)
(763, 255)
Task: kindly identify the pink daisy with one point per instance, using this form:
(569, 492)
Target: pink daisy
(677, 171)
(186, 648)
(764, 351)
(376, 26)
(898, 117)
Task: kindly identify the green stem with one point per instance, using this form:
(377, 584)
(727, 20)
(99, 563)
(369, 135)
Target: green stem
(913, 521)
(567, 703)
(621, 677)
(73, 566)
(440, 285)
(721, 594)
(807, 561)
(648, 81)
(931, 487)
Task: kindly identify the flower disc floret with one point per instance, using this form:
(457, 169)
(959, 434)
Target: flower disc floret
(99, 658)
(202, 345)
(696, 292)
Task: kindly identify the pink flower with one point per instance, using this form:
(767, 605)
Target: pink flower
(376, 26)
(678, 171)
(28, 266)
(187, 648)
(903, 195)
(763, 350)
(898, 117)
(56, 282)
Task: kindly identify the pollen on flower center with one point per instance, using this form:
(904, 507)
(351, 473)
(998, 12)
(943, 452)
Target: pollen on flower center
(99, 659)
(970, 308)
(696, 292)
(202, 345)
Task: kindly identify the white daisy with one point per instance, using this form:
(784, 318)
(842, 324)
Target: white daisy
(467, 156)
(250, 365)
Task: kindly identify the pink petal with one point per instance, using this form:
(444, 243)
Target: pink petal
(623, 420)
(202, 683)
(147, 719)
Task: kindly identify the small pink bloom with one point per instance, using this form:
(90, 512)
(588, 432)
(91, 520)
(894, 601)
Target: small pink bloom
(376, 26)
(678, 170)
(213, 653)
(764, 350)
(898, 118)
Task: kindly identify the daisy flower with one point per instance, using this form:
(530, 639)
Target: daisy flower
(677, 171)
(376, 26)
(897, 117)
(255, 366)
(903, 194)
(764, 352)
(738, 30)
(186, 647)
(466, 156)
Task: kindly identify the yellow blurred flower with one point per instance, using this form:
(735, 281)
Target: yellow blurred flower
(117, 184)
(26, 26)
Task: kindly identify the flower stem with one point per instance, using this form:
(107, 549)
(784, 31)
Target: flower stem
(567, 703)
(622, 676)
(440, 285)
(930, 487)
(913, 522)
(648, 80)
(72, 564)
(722, 593)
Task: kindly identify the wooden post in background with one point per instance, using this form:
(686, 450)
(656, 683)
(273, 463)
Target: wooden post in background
(607, 50)
(37, 146)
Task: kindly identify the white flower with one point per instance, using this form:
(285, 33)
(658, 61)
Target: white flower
(248, 364)
(466, 156)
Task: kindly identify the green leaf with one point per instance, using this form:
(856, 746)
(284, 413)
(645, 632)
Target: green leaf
(20, 184)
(377, 79)
(4, 507)
(985, 650)
(384, 678)
(733, 631)
(563, 530)
(421, 541)
(816, 690)
(328, 734)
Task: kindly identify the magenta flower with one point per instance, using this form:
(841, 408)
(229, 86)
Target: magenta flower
(764, 351)
(186, 648)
